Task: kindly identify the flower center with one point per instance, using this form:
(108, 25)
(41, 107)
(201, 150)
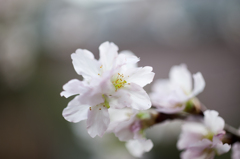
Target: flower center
(119, 81)
(209, 136)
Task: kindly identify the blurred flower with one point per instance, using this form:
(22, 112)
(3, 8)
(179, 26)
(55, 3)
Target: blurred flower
(236, 150)
(133, 127)
(173, 94)
(130, 126)
(18, 54)
(112, 81)
(203, 140)
(99, 146)
(138, 147)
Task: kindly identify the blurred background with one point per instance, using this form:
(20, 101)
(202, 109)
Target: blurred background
(37, 38)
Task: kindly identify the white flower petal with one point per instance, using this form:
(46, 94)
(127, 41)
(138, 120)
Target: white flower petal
(162, 86)
(197, 154)
(138, 147)
(199, 83)
(141, 76)
(75, 111)
(108, 55)
(171, 100)
(120, 99)
(127, 58)
(73, 87)
(98, 87)
(219, 146)
(192, 133)
(213, 122)
(92, 96)
(202, 144)
(104, 82)
(85, 64)
(139, 97)
(180, 76)
(116, 116)
(122, 130)
(222, 148)
(98, 121)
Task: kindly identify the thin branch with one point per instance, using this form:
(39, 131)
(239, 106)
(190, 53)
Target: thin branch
(232, 134)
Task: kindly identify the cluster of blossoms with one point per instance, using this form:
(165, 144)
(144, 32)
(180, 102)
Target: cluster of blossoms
(202, 140)
(112, 100)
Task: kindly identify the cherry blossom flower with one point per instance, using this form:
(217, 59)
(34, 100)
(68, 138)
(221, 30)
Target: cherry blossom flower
(203, 140)
(112, 81)
(90, 105)
(129, 125)
(236, 150)
(173, 94)
(132, 124)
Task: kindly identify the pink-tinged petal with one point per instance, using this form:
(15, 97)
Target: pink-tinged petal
(74, 87)
(180, 76)
(192, 133)
(219, 146)
(170, 103)
(202, 144)
(236, 150)
(108, 55)
(199, 83)
(123, 131)
(85, 64)
(75, 111)
(98, 121)
(199, 150)
(98, 86)
(127, 58)
(138, 147)
(140, 76)
(197, 154)
(162, 86)
(118, 115)
(104, 83)
(140, 99)
(92, 97)
(120, 99)
(213, 122)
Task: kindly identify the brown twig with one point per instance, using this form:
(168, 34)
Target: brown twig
(232, 134)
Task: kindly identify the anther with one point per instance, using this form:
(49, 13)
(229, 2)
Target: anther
(100, 109)
(90, 108)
